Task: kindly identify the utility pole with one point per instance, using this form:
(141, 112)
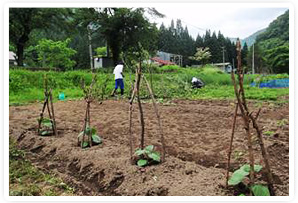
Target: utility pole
(253, 59)
(223, 58)
(90, 46)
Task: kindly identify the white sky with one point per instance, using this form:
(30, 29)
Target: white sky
(232, 22)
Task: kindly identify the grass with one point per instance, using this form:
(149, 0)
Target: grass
(171, 82)
(26, 180)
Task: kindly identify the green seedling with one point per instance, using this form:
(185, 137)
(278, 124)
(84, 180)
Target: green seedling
(147, 156)
(90, 132)
(239, 175)
(47, 125)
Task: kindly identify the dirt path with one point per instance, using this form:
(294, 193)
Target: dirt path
(197, 136)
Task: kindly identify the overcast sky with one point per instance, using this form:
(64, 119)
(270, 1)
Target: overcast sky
(232, 22)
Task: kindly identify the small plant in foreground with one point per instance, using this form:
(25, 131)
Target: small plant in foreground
(89, 132)
(147, 156)
(47, 126)
(239, 176)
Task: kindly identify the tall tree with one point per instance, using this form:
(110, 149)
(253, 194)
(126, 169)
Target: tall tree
(22, 21)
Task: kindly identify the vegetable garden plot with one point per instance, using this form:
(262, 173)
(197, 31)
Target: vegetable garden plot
(197, 135)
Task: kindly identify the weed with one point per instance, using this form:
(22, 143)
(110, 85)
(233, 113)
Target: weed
(26, 180)
(269, 133)
(282, 123)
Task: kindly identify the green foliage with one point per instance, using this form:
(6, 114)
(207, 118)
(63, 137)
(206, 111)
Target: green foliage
(147, 156)
(27, 86)
(260, 190)
(90, 131)
(241, 173)
(273, 45)
(46, 127)
(55, 54)
(101, 51)
(202, 55)
(142, 162)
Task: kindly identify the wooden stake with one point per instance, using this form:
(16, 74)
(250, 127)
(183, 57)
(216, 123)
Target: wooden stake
(52, 108)
(140, 108)
(231, 143)
(265, 156)
(158, 119)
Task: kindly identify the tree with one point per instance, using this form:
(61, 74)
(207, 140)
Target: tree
(244, 54)
(22, 21)
(272, 46)
(124, 28)
(202, 55)
(55, 54)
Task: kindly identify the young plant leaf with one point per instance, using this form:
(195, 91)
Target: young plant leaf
(237, 177)
(142, 162)
(47, 122)
(149, 148)
(260, 190)
(45, 133)
(155, 156)
(96, 139)
(139, 152)
(246, 168)
(93, 131)
(241, 195)
(88, 130)
(85, 144)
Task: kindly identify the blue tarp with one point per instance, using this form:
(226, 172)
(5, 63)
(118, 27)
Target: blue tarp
(278, 83)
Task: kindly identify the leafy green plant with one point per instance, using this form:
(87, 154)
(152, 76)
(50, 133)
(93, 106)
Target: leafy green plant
(94, 136)
(240, 174)
(47, 127)
(147, 156)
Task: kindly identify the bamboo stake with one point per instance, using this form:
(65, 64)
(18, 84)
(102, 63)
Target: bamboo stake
(158, 119)
(52, 108)
(84, 129)
(89, 123)
(231, 143)
(244, 110)
(140, 108)
(265, 156)
(41, 114)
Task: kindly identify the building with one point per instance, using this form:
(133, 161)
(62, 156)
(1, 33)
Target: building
(164, 58)
(103, 62)
(12, 59)
(225, 67)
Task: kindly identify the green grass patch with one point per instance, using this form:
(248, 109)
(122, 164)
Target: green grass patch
(170, 82)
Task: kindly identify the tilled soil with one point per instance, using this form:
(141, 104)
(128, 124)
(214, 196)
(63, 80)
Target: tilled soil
(197, 135)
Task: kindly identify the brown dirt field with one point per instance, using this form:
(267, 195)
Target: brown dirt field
(197, 135)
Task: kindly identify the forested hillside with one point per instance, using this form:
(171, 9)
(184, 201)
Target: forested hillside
(272, 46)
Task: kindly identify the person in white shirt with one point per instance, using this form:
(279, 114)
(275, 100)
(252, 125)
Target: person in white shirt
(118, 72)
(197, 83)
